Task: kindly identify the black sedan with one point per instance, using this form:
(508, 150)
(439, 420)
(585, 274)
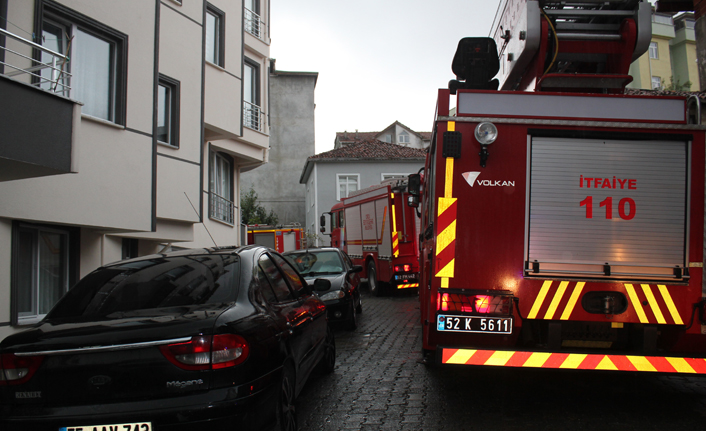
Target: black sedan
(196, 339)
(342, 298)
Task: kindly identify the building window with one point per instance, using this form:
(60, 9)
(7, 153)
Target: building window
(221, 191)
(168, 111)
(98, 62)
(654, 50)
(387, 138)
(253, 22)
(403, 138)
(656, 83)
(40, 271)
(252, 113)
(662, 19)
(130, 248)
(393, 176)
(215, 35)
(347, 184)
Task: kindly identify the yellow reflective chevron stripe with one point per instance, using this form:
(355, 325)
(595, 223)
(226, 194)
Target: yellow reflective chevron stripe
(572, 301)
(653, 303)
(558, 293)
(636, 303)
(540, 299)
(461, 356)
(445, 260)
(573, 361)
(670, 304)
(555, 301)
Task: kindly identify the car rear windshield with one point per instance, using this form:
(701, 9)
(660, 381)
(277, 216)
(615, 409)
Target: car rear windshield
(151, 283)
(317, 263)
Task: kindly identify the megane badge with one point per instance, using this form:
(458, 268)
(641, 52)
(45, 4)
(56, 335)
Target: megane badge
(100, 380)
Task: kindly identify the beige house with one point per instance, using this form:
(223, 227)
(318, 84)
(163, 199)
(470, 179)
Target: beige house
(396, 133)
(130, 124)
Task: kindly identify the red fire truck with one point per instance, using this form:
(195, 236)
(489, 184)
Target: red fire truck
(280, 238)
(378, 230)
(563, 225)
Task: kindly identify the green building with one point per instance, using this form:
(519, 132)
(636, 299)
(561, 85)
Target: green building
(670, 62)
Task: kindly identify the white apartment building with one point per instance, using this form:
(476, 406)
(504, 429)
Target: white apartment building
(123, 131)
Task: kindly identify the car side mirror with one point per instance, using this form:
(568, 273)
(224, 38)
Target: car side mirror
(322, 285)
(414, 184)
(354, 269)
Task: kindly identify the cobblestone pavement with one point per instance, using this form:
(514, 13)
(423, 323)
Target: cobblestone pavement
(379, 384)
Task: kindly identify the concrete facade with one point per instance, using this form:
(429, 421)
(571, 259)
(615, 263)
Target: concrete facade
(129, 192)
(292, 110)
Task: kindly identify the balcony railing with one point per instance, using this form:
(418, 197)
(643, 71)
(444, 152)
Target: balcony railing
(18, 63)
(221, 209)
(252, 116)
(253, 23)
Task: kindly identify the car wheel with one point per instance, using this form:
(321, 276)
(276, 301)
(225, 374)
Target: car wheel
(328, 361)
(286, 411)
(353, 319)
(372, 279)
(359, 308)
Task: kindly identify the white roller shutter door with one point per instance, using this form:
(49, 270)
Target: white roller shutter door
(607, 207)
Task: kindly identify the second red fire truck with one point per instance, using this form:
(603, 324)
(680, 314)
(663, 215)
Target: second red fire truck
(563, 225)
(378, 230)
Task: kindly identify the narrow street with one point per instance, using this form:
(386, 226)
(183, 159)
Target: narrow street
(379, 384)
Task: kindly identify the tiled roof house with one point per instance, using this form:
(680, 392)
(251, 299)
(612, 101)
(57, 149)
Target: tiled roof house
(395, 133)
(332, 175)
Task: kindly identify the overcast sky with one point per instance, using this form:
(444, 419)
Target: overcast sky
(379, 61)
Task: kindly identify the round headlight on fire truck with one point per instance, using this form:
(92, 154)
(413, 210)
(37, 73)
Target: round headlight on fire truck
(486, 133)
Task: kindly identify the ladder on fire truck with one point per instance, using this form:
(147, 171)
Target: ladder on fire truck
(547, 45)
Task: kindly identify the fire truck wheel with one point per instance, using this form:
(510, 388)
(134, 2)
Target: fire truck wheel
(372, 279)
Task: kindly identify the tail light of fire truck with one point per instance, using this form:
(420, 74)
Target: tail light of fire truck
(404, 278)
(476, 304)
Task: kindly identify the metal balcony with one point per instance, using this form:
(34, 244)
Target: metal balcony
(38, 118)
(19, 63)
(253, 116)
(253, 23)
(221, 208)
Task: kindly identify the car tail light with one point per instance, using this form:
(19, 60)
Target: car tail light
(206, 352)
(15, 370)
(477, 304)
(228, 350)
(403, 268)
